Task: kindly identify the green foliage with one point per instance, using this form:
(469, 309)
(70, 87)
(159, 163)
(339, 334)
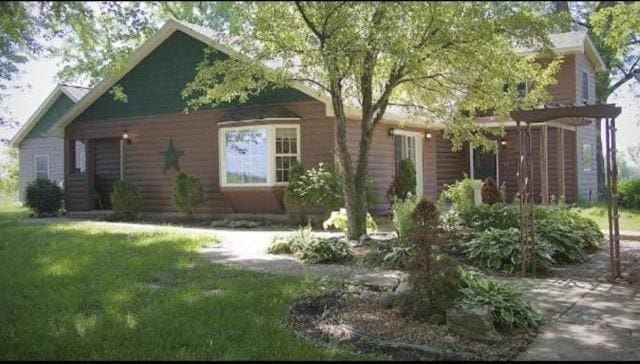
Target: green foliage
(188, 195)
(509, 307)
(311, 249)
(425, 215)
(629, 191)
(500, 250)
(484, 217)
(322, 186)
(9, 171)
(436, 282)
(402, 215)
(126, 200)
(237, 223)
(404, 181)
(489, 191)
(294, 202)
(338, 220)
(458, 195)
(43, 197)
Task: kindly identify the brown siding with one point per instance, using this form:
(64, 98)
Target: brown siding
(565, 89)
(450, 166)
(196, 134)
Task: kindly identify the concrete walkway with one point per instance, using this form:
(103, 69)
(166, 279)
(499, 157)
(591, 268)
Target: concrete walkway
(248, 250)
(586, 318)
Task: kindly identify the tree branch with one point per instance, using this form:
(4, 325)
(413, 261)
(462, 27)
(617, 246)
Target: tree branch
(309, 23)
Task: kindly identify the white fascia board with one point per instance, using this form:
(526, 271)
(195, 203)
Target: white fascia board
(35, 117)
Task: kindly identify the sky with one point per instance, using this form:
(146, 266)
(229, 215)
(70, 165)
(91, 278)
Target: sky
(38, 80)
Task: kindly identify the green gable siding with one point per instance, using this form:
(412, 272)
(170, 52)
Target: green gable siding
(154, 85)
(55, 112)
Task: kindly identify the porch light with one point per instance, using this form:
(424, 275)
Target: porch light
(503, 143)
(428, 135)
(391, 131)
(126, 137)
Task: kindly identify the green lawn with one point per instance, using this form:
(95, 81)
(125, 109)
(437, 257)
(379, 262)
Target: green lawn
(71, 291)
(629, 219)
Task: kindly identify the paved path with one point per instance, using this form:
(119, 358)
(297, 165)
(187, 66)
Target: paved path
(585, 317)
(248, 250)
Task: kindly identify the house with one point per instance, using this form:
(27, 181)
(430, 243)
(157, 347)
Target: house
(42, 155)
(242, 152)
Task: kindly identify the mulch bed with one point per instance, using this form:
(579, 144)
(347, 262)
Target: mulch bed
(352, 316)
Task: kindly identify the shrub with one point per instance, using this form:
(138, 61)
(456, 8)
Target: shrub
(294, 203)
(125, 200)
(425, 215)
(43, 197)
(311, 249)
(402, 211)
(629, 192)
(500, 250)
(322, 186)
(237, 223)
(338, 219)
(458, 195)
(187, 193)
(509, 307)
(489, 191)
(436, 282)
(484, 217)
(326, 250)
(404, 181)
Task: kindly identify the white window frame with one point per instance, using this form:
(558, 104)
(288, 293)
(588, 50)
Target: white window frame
(586, 79)
(35, 166)
(590, 157)
(419, 138)
(471, 166)
(271, 153)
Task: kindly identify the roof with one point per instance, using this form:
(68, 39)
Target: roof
(565, 42)
(75, 93)
(576, 42)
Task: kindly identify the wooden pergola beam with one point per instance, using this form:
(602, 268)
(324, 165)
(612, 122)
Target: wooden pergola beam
(598, 111)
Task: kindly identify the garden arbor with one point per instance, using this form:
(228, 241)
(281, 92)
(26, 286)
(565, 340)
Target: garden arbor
(572, 115)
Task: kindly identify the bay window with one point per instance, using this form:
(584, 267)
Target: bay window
(258, 155)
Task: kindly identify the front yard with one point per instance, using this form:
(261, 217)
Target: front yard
(70, 291)
(629, 219)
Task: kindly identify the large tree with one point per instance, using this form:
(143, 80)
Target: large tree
(434, 61)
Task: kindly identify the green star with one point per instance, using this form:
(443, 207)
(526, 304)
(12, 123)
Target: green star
(171, 155)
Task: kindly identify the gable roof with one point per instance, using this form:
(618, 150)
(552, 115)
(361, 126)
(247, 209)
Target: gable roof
(563, 42)
(74, 93)
(576, 42)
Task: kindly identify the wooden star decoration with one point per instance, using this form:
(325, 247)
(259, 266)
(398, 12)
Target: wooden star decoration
(171, 155)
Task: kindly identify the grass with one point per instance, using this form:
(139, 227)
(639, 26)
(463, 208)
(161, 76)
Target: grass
(629, 219)
(81, 291)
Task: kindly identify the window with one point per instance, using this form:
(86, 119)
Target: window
(286, 152)
(42, 166)
(78, 152)
(258, 155)
(408, 145)
(587, 157)
(585, 86)
(484, 164)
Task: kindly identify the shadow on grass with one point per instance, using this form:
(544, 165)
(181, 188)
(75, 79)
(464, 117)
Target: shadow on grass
(87, 293)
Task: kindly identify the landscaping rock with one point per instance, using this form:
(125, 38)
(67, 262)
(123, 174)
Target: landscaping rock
(475, 322)
(386, 299)
(404, 287)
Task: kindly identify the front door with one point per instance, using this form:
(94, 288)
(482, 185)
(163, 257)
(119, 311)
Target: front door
(484, 165)
(408, 145)
(107, 170)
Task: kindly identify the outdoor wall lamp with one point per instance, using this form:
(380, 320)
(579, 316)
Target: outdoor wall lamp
(126, 137)
(428, 135)
(391, 131)
(503, 143)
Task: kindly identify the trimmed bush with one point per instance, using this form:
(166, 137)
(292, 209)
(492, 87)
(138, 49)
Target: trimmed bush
(43, 197)
(322, 186)
(629, 191)
(311, 249)
(489, 191)
(402, 215)
(404, 181)
(500, 250)
(188, 195)
(509, 307)
(294, 203)
(126, 200)
(338, 220)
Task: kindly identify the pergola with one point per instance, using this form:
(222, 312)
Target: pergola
(572, 115)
